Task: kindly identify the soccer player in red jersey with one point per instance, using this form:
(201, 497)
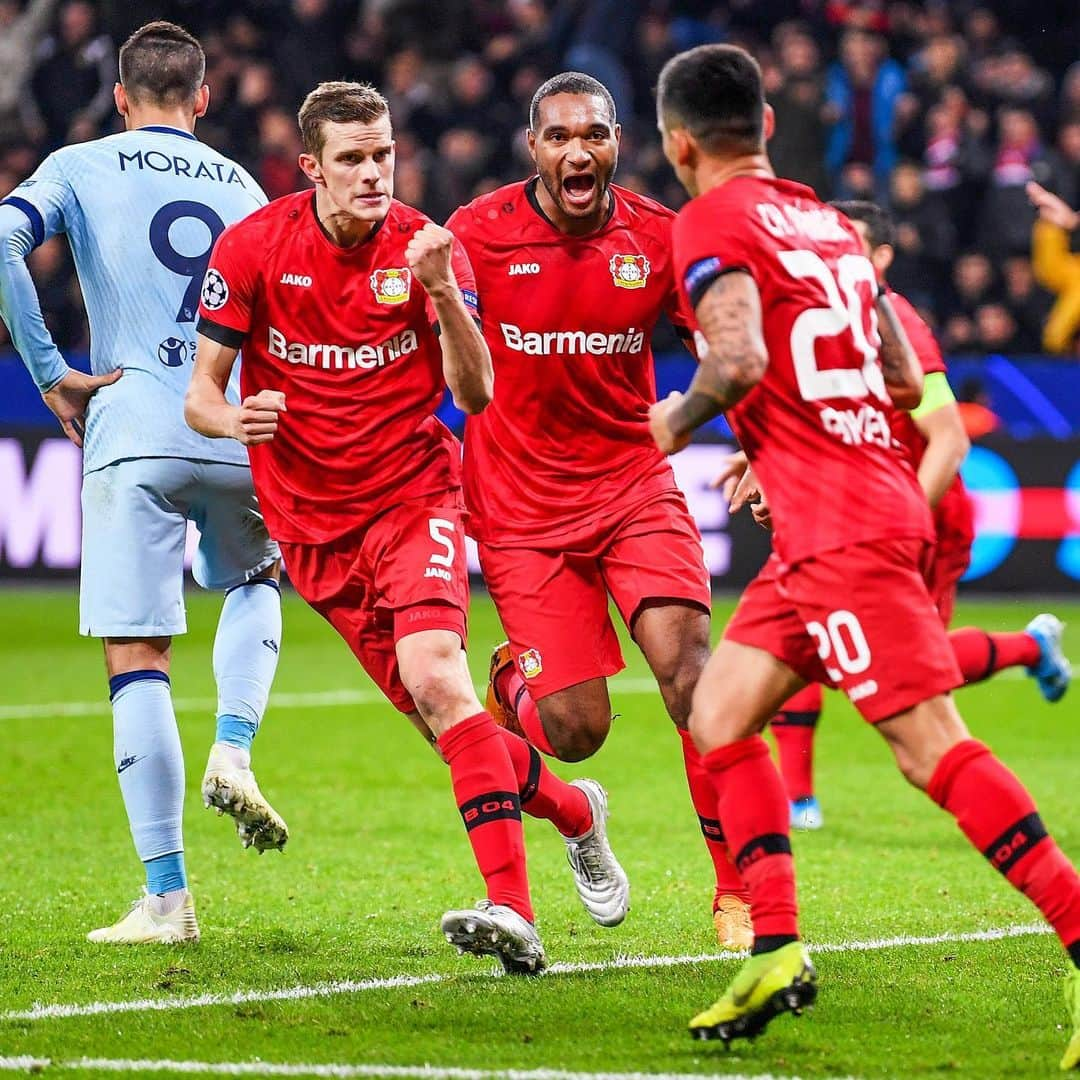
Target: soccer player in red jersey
(570, 501)
(933, 435)
(354, 311)
(784, 302)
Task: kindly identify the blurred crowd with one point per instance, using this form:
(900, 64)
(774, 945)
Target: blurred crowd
(943, 110)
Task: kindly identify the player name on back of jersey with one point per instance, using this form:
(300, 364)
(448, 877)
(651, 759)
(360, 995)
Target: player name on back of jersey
(178, 165)
(819, 223)
(332, 357)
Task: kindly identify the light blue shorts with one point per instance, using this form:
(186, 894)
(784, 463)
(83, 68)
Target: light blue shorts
(135, 516)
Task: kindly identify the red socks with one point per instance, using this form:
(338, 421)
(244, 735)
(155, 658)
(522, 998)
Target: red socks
(703, 797)
(512, 688)
(793, 728)
(981, 655)
(996, 813)
(486, 789)
(543, 794)
(754, 809)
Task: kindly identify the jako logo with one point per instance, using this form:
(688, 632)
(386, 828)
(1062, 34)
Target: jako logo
(340, 357)
(572, 342)
(296, 279)
(524, 268)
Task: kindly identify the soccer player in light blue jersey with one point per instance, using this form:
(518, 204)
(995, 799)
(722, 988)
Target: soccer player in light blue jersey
(142, 210)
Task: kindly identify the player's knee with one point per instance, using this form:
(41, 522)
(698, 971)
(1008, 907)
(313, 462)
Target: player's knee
(575, 734)
(713, 722)
(441, 698)
(438, 682)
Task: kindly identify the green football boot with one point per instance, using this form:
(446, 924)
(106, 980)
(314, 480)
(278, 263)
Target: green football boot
(1071, 1060)
(767, 985)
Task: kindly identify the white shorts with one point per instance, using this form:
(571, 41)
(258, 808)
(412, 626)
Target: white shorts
(134, 524)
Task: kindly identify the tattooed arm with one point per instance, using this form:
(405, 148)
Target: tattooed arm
(732, 361)
(903, 372)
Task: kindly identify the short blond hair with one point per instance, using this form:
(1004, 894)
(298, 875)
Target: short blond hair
(338, 103)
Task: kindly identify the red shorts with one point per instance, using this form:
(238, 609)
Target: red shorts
(885, 647)
(949, 564)
(554, 602)
(402, 573)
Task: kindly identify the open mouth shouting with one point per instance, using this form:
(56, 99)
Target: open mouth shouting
(579, 189)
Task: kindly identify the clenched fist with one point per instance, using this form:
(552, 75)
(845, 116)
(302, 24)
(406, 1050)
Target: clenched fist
(255, 421)
(428, 256)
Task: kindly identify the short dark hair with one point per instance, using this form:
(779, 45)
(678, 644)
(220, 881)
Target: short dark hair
(716, 93)
(879, 224)
(338, 103)
(162, 63)
(570, 82)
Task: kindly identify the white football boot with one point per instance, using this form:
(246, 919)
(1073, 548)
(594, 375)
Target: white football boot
(143, 926)
(496, 930)
(601, 882)
(231, 789)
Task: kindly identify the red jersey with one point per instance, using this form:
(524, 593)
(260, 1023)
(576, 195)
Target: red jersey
(816, 428)
(954, 518)
(347, 334)
(568, 321)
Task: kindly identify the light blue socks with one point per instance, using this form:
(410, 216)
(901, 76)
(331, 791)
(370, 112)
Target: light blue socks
(150, 768)
(245, 659)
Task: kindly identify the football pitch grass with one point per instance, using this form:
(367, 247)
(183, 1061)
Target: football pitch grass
(327, 959)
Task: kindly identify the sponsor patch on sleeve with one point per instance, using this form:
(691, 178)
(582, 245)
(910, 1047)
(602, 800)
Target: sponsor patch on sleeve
(472, 301)
(700, 275)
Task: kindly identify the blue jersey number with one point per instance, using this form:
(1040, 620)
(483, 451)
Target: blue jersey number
(192, 267)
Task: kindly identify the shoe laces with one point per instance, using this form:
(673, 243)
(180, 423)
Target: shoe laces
(588, 855)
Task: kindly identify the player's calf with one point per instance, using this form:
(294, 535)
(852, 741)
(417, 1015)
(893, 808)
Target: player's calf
(434, 671)
(569, 724)
(246, 648)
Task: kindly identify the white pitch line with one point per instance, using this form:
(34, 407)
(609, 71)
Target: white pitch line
(318, 699)
(312, 699)
(61, 1011)
(349, 1072)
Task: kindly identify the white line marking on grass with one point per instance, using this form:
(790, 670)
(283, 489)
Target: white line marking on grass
(322, 699)
(346, 1072)
(319, 699)
(62, 1011)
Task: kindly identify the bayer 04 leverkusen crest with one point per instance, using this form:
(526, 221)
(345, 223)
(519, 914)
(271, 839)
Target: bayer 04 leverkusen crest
(629, 271)
(391, 286)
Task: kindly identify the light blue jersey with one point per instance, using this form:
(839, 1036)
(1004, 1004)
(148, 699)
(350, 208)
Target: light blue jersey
(142, 210)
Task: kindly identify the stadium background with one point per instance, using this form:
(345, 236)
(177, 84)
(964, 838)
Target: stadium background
(941, 110)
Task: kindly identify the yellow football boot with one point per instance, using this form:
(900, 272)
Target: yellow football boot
(767, 985)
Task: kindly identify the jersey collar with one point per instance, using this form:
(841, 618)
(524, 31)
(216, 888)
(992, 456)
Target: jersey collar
(534, 202)
(165, 130)
(333, 243)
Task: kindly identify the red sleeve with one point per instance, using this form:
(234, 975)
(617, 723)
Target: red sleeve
(228, 290)
(706, 248)
(678, 310)
(676, 306)
(919, 334)
(466, 281)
